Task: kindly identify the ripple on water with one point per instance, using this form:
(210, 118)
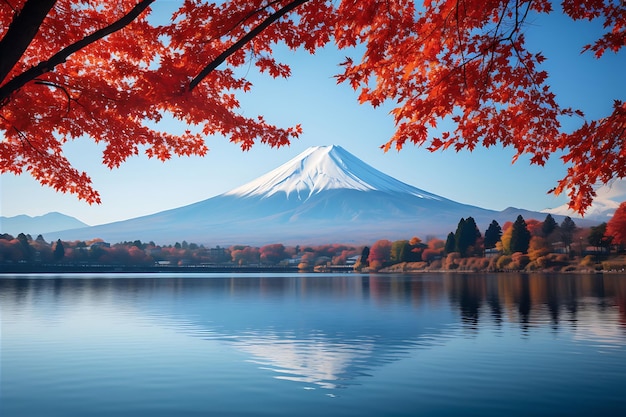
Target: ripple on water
(203, 347)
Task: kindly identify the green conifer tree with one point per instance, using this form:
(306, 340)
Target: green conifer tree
(365, 253)
(520, 237)
(59, 251)
(568, 227)
(492, 235)
(450, 243)
(548, 226)
(466, 235)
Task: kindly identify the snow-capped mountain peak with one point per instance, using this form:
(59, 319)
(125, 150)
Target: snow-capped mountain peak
(321, 168)
(323, 195)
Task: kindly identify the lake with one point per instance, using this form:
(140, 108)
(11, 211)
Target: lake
(313, 345)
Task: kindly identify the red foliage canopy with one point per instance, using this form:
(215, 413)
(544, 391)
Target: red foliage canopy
(380, 251)
(616, 227)
(101, 69)
(272, 253)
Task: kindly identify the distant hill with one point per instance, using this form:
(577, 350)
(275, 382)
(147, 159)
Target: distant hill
(51, 222)
(323, 195)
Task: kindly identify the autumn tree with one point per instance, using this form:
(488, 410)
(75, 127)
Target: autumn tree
(505, 239)
(599, 238)
(380, 253)
(616, 227)
(137, 256)
(416, 249)
(243, 255)
(534, 226)
(11, 250)
(407, 250)
(434, 250)
(538, 247)
(333, 250)
(400, 250)
(272, 253)
(110, 71)
(341, 257)
(27, 250)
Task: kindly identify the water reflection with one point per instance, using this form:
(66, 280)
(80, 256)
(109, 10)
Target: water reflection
(328, 331)
(314, 361)
(571, 301)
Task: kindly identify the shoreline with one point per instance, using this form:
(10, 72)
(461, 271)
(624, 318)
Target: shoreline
(77, 269)
(199, 269)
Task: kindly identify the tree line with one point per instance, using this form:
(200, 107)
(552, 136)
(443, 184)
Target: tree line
(23, 249)
(521, 244)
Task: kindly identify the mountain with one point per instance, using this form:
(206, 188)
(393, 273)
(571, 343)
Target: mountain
(323, 168)
(50, 222)
(323, 195)
(607, 200)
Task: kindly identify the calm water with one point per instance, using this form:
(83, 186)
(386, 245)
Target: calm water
(313, 345)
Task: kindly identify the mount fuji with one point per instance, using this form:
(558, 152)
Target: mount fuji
(323, 195)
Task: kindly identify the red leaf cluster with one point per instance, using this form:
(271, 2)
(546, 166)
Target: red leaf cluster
(106, 71)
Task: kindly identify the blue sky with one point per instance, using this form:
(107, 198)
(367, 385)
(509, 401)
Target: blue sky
(330, 114)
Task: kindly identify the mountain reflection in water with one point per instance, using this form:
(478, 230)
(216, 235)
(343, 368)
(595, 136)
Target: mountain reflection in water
(327, 331)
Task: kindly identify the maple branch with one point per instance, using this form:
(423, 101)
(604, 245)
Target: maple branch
(20, 80)
(244, 40)
(59, 87)
(24, 138)
(21, 31)
(459, 38)
(491, 50)
(518, 22)
(9, 4)
(249, 15)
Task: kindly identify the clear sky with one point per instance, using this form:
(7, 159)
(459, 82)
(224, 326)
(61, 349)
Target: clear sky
(330, 114)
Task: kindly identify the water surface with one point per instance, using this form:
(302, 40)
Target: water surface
(312, 344)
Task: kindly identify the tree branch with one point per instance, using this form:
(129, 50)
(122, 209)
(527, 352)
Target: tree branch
(59, 87)
(20, 80)
(244, 40)
(21, 32)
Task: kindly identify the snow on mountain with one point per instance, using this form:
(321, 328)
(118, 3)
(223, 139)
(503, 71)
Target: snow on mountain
(323, 195)
(322, 168)
(608, 199)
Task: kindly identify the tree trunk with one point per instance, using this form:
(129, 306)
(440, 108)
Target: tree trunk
(21, 32)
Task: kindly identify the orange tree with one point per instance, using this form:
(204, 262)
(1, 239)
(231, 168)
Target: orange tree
(616, 227)
(106, 71)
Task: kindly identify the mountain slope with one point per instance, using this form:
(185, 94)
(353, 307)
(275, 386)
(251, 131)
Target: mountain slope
(323, 195)
(47, 223)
